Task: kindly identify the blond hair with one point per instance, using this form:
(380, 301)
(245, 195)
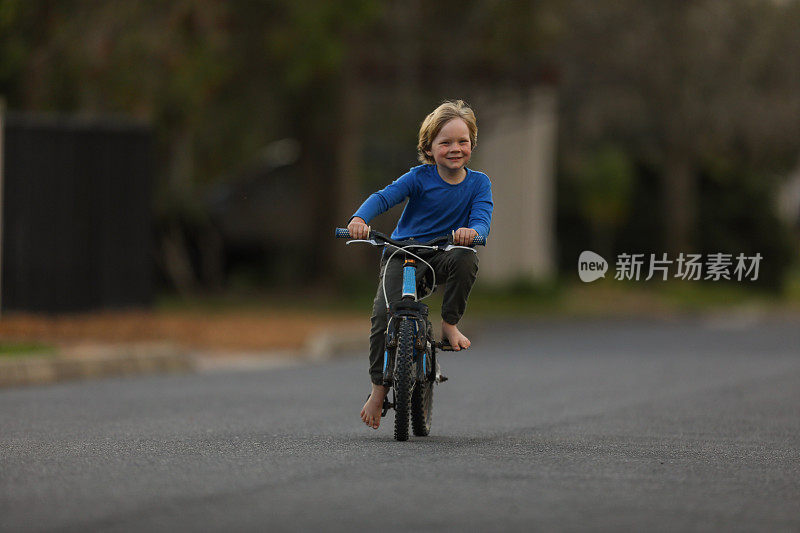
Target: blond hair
(435, 121)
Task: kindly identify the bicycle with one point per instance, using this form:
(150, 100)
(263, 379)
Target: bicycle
(410, 368)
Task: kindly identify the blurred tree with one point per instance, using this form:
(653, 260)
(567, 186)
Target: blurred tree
(673, 85)
(604, 187)
(316, 46)
(678, 81)
(218, 80)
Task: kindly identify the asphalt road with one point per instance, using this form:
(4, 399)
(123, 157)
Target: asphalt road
(684, 425)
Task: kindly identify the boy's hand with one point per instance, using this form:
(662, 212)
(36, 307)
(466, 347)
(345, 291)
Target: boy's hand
(464, 236)
(358, 228)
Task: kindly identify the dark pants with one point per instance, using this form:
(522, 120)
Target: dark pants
(456, 269)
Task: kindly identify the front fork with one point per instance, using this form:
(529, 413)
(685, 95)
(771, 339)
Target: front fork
(409, 308)
(424, 354)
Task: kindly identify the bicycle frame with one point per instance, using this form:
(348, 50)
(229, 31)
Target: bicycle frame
(410, 279)
(409, 359)
(409, 287)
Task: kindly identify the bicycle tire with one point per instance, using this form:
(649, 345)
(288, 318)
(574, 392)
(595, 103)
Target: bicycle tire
(403, 379)
(422, 409)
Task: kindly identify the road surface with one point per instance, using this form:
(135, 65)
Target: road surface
(548, 425)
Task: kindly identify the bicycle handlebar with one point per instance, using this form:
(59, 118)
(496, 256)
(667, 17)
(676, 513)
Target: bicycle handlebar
(343, 233)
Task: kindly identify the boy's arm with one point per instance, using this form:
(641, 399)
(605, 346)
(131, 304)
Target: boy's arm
(480, 214)
(383, 200)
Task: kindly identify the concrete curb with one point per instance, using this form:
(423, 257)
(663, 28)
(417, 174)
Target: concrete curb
(94, 362)
(89, 361)
(216, 361)
(329, 344)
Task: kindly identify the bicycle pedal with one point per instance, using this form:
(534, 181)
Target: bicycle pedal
(445, 347)
(441, 378)
(386, 406)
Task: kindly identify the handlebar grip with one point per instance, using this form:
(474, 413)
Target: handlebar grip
(341, 233)
(479, 240)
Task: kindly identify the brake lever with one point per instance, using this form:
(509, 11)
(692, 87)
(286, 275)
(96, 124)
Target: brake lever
(368, 241)
(454, 246)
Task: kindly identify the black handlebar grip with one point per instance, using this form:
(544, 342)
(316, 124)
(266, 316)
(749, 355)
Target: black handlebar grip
(479, 240)
(341, 233)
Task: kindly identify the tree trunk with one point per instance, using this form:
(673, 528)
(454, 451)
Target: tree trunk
(348, 162)
(175, 249)
(177, 264)
(679, 196)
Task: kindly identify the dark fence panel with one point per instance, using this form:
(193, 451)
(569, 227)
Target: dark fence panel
(77, 223)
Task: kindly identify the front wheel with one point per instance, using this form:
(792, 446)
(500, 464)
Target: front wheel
(403, 378)
(422, 408)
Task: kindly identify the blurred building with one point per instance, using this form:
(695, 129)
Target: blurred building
(517, 149)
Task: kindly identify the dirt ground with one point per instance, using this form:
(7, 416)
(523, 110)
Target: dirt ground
(224, 331)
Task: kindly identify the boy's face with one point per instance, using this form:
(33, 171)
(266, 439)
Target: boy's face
(451, 148)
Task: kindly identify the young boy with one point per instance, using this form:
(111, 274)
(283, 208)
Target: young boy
(444, 197)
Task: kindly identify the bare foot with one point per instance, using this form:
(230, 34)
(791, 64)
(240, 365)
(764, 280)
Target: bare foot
(457, 339)
(371, 413)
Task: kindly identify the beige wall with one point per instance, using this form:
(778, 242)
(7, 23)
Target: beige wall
(516, 148)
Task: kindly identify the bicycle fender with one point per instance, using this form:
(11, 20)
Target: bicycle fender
(408, 308)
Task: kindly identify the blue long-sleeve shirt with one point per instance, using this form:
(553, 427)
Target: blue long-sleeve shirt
(435, 207)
